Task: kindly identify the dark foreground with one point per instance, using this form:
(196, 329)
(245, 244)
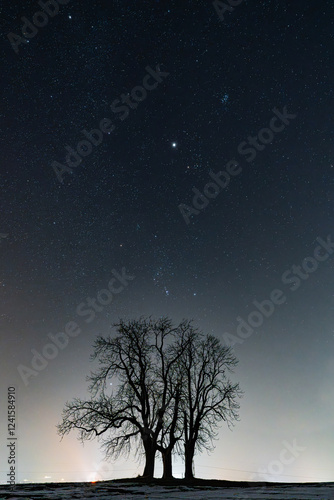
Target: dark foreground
(178, 489)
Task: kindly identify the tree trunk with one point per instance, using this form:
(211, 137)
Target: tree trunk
(167, 464)
(150, 450)
(189, 451)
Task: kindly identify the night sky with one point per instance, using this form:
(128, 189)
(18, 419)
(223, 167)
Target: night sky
(249, 92)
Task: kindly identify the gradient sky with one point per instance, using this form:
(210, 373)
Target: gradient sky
(61, 242)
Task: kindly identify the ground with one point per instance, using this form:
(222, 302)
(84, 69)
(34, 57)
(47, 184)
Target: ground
(136, 489)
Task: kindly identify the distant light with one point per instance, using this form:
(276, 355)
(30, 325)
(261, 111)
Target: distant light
(92, 478)
(174, 144)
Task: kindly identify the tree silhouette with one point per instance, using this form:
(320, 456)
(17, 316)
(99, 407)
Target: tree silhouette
(171, 431)
(141, 359)
(171, 392)
(208, 396)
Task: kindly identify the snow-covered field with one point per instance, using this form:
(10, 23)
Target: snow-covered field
(119, 491)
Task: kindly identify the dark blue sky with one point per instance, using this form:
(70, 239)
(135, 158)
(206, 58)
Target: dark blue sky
(222, 83)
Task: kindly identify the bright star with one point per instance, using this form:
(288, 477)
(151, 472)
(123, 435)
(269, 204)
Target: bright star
(174, 144)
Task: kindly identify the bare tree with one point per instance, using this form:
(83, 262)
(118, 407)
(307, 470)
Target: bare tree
(171, 431)
(142, 358)
(171, 389)
(208, 396)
